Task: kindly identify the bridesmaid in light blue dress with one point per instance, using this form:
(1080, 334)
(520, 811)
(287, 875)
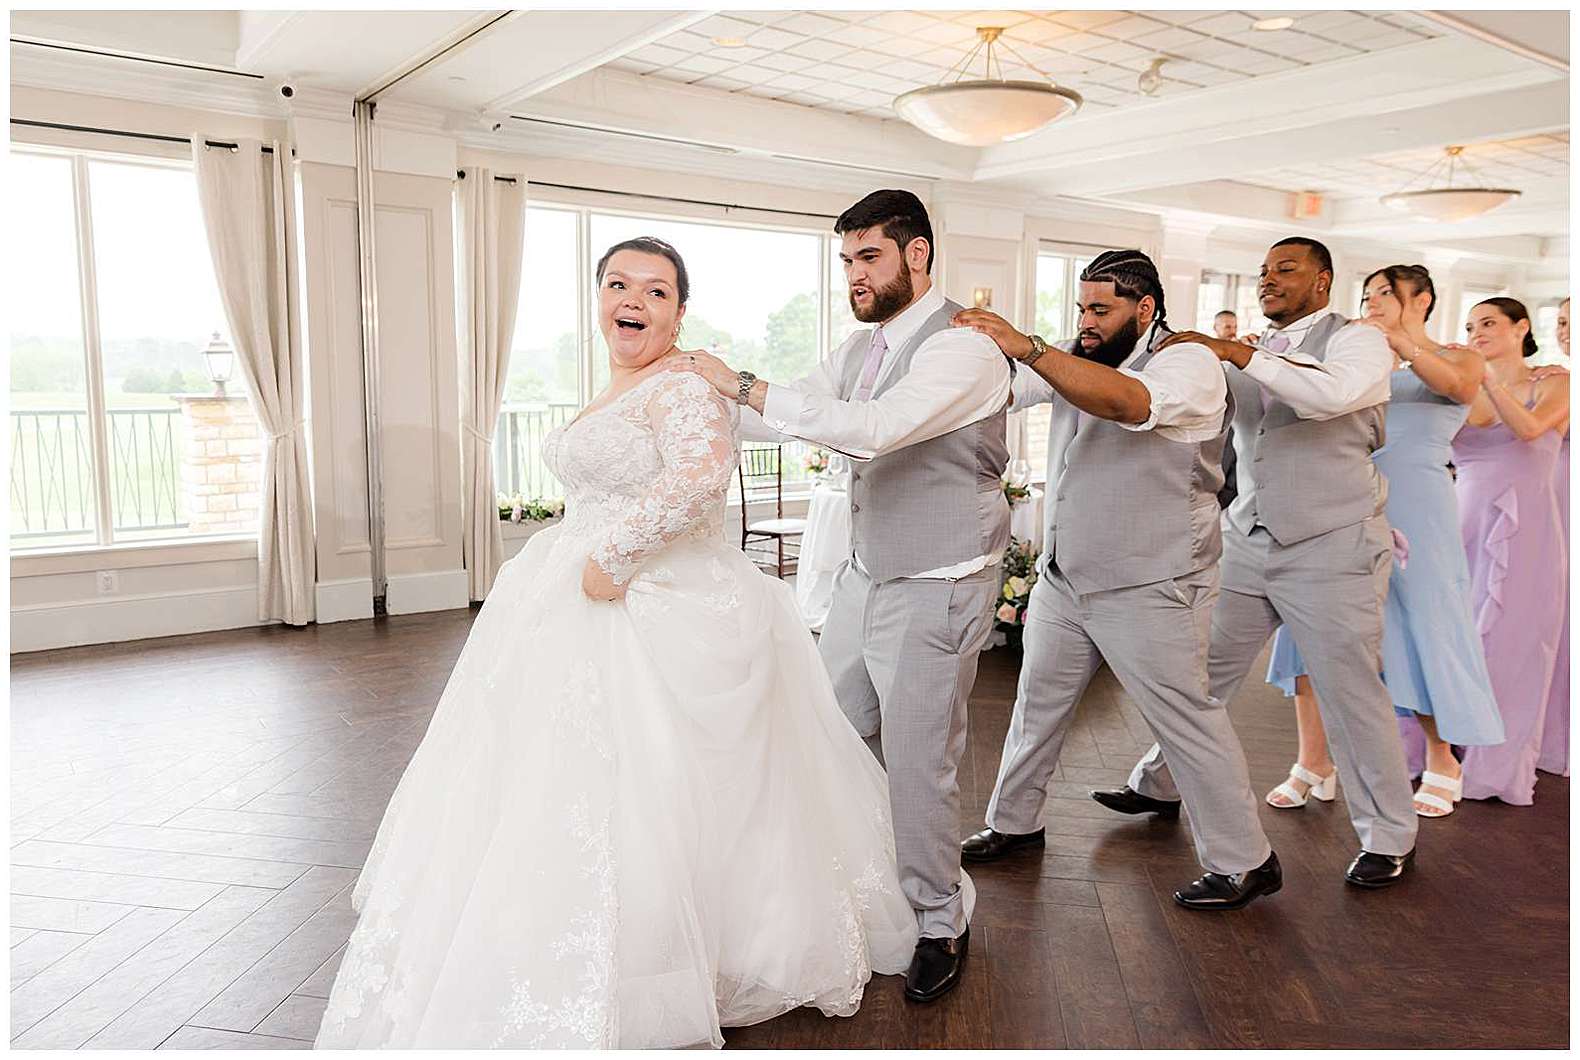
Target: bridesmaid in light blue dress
(1433, 660)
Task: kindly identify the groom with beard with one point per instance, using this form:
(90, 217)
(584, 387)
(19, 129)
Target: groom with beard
(919, 405)
(1129, 570)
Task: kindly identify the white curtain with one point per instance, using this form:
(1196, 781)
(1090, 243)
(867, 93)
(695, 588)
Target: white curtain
(249, 213)
(493, 219)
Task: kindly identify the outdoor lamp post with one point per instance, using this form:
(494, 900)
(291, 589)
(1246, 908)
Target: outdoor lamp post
(221, 360)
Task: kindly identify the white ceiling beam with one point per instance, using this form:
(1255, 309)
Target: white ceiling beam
(622, 102)
(578, 42)
(1489, 116)
(1539, 35)
(1212, 131)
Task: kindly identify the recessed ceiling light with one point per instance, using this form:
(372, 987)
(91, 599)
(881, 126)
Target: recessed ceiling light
(1268, 25)
(729, 42)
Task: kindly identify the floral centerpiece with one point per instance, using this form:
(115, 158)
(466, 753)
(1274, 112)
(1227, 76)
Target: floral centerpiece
(816, 462)
(1019, 569)
(518, 509)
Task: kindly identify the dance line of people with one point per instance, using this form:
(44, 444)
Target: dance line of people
(702, 819)
(1472, 642)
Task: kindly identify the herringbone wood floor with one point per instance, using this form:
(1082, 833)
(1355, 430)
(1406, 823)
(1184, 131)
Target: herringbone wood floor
(189, 814)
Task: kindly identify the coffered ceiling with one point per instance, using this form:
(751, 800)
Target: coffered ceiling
(1351, 104)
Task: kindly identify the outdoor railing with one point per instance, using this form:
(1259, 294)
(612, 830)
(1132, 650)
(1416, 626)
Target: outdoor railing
(52, 490)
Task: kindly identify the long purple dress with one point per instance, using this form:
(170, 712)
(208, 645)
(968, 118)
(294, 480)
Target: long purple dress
(1555, 732)
(1508, 519)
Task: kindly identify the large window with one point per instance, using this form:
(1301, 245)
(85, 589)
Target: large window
(119, 431)
(1545, 323)
(768, 299)
(1235, 291)
(1056, 319)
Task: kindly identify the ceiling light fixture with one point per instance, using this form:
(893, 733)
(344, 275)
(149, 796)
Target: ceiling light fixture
(990, 110)
(1272, 25)
(1151, 79)
(729, 42)
(1448, 204)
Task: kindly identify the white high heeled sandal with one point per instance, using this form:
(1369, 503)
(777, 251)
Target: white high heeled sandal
(1439, 806)
(1319, 788)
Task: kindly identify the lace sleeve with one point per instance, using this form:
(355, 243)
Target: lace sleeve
(695, 436)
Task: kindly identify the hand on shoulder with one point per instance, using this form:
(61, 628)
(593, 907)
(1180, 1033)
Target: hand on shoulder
(701, 365)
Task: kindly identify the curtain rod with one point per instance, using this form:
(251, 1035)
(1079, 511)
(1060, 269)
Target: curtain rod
(135, 58)
(127, 133)
(672, 198)
(460, 174)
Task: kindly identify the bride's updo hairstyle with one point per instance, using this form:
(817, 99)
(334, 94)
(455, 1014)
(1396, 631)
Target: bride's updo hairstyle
(651, 245)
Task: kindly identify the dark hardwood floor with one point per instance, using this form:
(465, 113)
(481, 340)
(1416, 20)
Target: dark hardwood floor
(189, 814)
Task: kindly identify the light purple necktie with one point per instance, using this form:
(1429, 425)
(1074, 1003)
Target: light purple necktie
(869, 368)
(1277, 342)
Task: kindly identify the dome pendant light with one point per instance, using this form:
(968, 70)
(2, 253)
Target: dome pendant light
(992, 110)
(1448, 204)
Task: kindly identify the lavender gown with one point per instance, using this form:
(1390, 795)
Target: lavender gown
(1508, 518)
(1555, 733)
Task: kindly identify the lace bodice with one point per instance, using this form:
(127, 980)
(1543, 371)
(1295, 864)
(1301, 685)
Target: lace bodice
(651, 467)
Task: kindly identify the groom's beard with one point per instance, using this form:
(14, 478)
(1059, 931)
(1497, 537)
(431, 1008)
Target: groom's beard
(887, 301)
(1116, 350)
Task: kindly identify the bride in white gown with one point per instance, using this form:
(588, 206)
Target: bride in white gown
(638, 814)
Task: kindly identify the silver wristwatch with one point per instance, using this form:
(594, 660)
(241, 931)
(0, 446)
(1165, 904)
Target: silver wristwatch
(747, 379)
(1038, 348)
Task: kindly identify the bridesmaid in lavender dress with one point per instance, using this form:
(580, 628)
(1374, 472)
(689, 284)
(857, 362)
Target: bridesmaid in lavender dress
(1555, 733)
(1508, 517)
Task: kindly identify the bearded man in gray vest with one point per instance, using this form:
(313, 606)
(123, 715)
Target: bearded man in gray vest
(919, 406)
(1129, 570)
(1306, 543)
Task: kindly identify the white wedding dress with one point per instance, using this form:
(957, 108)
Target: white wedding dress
(629, 823)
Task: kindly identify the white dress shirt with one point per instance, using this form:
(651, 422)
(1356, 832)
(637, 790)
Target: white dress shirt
(1354, 375)
(956, 378)
(1185, 383)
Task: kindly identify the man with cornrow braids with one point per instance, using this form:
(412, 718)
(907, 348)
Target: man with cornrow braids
(1129, 570)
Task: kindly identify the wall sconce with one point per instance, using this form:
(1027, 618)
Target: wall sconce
(982, 297)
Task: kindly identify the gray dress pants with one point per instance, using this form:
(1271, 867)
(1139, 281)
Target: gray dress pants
(903, 657)
(1329, 590)
(1154, 638)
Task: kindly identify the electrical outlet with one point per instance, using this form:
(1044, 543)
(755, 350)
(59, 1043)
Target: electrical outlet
(109, 582)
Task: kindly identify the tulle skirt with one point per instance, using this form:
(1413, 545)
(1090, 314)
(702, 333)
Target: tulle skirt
(629, 825)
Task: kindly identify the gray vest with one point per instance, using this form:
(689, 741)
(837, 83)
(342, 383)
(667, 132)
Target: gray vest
(1129, 507)
(1300, 478)
(935, 503)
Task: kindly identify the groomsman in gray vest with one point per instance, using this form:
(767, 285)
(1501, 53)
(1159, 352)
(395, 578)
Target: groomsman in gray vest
(1129, 570)
(1306, 544)
(919, 406)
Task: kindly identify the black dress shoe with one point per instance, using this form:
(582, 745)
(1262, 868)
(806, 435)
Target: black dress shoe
(1129, 800)
(935, 967)
(988, 845)
(1217, 891)
(1378, 870)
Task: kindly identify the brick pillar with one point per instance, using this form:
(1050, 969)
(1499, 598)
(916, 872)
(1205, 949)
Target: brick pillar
(220, 486)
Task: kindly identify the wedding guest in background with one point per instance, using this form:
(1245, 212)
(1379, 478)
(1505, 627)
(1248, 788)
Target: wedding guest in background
(1508, 516)
(1432, 655)
(1226, 325)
